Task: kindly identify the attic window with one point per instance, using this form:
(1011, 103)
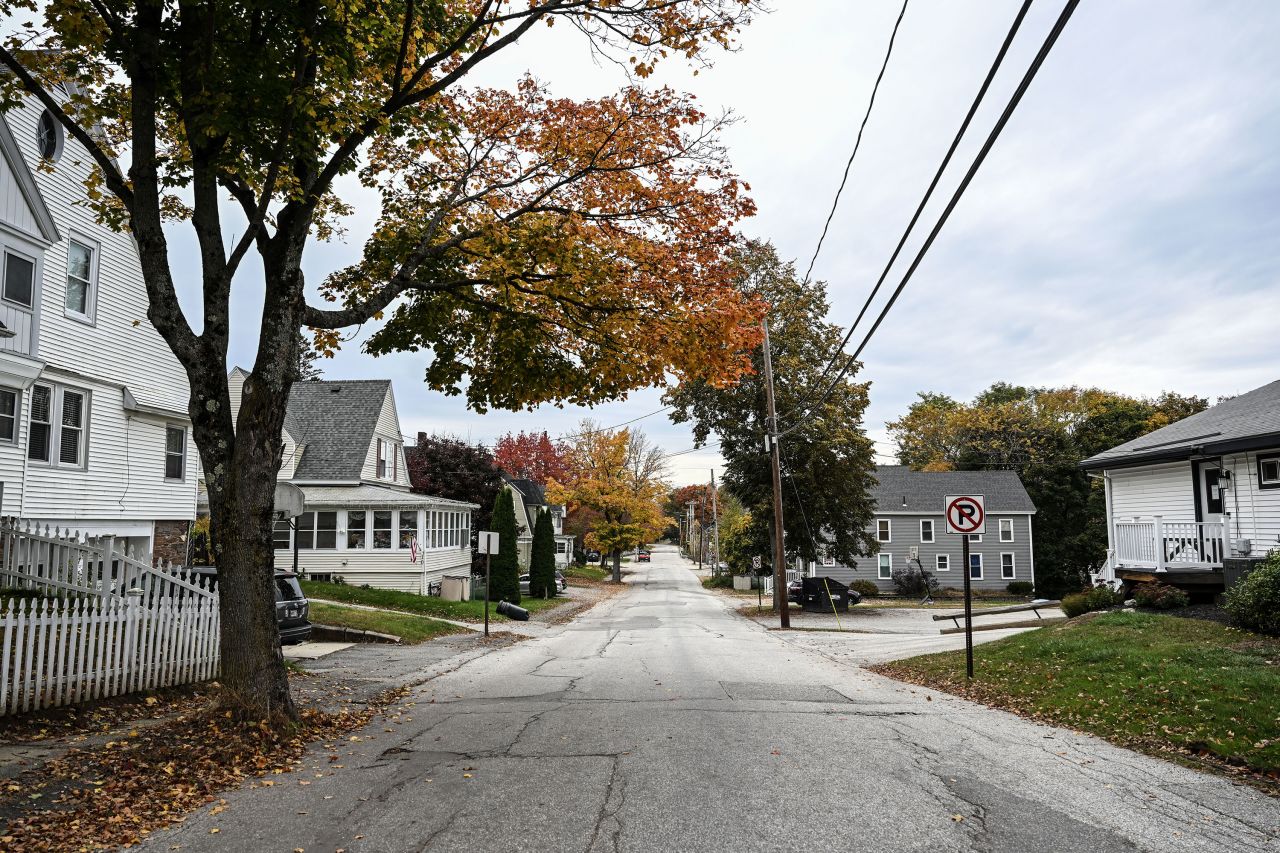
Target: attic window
(48, 137)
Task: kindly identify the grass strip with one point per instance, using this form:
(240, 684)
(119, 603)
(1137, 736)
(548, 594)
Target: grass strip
(412, 629)
(425, 605)
(1161, 684)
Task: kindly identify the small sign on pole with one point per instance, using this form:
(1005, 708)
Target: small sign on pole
(487, 543)
(756, 563)
(966, 516)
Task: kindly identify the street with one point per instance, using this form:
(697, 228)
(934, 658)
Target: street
(661, 720)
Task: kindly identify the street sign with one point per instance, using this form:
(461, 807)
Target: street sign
(756, 563)
(966, 514)
(487, 542)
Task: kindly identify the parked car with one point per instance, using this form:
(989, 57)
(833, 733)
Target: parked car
(292, 607)
(642, 556)
(561, 583)
(592, 556)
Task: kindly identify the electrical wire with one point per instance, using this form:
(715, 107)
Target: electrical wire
(615, 426)
(1001, 123)
(924, 201)
(857, 143)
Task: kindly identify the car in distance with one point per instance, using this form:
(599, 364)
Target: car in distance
(642, 556)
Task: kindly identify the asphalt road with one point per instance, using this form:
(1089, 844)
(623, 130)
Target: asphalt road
(660, 720)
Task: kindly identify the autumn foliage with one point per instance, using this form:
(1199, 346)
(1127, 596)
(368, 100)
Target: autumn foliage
(532, 456)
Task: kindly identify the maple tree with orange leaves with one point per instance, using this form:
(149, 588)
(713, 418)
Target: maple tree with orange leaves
(539, 248)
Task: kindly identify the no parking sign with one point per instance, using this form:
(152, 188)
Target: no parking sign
(966, 514)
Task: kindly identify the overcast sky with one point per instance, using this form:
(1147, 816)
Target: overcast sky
(1121, 234)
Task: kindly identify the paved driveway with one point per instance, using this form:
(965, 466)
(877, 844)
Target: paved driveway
(662, 721)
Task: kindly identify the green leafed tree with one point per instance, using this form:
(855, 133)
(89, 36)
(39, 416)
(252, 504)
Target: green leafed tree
(827, 459)
(504, 571)
(542, 560)
(539, 248)
(1043, 434)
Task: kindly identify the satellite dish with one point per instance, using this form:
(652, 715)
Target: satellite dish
(289, 501)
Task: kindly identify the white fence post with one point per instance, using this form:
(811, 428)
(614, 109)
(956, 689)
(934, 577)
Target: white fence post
(1159, 534)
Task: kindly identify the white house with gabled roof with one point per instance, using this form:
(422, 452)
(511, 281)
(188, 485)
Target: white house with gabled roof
(87, 440)
(344, 450)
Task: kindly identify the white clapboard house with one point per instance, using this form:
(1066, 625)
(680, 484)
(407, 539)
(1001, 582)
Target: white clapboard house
(1195, 497)
(343, 448)
(88, 440)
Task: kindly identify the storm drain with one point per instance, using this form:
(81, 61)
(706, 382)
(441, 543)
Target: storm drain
(782, 692)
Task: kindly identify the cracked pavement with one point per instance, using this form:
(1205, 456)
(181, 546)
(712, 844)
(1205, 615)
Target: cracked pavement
(661, 720)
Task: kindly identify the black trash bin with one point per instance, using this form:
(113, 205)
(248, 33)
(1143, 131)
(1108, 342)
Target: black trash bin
(512, 611)
(823, 595)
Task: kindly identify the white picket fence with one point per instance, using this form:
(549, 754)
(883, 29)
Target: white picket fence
(60, 652)
(109, 622)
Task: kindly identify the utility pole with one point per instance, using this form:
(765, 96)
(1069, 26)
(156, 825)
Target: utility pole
(780, 599)
(715, 519)
(688, 539)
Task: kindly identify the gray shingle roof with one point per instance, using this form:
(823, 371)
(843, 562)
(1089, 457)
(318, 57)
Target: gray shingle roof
(924, 491)
(335, 420)
(1241, 423)
(368, 494)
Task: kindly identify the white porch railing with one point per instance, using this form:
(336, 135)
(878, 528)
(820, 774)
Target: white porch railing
(1154, 543)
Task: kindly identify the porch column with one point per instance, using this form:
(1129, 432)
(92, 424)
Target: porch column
(1159, 533)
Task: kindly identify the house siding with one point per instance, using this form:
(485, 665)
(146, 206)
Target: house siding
(388, 429)
(121, 488)
(1255, 512)
(1167, 490)
(376, 568)
(905, 530)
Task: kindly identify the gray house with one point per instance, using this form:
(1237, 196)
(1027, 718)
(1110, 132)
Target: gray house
(909, 528)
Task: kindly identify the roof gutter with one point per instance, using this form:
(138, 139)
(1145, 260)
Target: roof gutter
(1186, 452)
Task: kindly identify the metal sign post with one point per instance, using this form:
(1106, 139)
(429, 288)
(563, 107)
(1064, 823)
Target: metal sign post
(966, 515)
(487, 541)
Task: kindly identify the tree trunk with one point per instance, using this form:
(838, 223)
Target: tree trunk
(617, 565)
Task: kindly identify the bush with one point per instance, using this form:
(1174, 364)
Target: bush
(1254, 602)
(1159, 596)
(865, 588)
(718, 582)
(1020, 588)
(913, 582)
(1094, 598)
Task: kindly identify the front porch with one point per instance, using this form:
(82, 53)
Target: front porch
(1184, 547)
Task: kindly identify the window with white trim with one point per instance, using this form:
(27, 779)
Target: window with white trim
(82, 276)
(318, 530)
(357, 534)
(926, 530)
(175, 453)
(562, 547)
(975, 566)
(19, 279)
(408, 527)
(71, 427)
(281, 535)
(1269, 472)
(381, 529)
(9, 415)
(1007, 571)
(942, 562)
(975, 537)
(828, 559)
(382, 461)
(1006, 530)
(886, 567)
(884, 530)
(41, 431)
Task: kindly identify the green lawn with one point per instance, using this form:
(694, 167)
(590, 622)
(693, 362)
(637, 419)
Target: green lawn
(588, 572)
(410, 628)
(464, 611)
(1157, 683)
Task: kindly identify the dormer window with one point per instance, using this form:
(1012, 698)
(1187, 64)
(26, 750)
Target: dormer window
(382, 459)
(48, 137)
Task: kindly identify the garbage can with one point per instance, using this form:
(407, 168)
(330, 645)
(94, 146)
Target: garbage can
(511, 611)
(823, 595)
(456, 589)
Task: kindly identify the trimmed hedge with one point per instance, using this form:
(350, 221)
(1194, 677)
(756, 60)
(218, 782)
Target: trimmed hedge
(865, 588)
(1094, 598)
(1020, 588)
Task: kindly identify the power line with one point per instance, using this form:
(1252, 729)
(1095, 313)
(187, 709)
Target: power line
(1014, 100)
(924, 201)
(858, 142)
(615, 426)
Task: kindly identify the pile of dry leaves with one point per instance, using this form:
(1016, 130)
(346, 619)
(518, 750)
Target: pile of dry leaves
(115, 793)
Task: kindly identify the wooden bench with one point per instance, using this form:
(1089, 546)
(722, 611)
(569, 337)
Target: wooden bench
(1037, 606)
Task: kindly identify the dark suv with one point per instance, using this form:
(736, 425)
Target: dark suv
(292, 607)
